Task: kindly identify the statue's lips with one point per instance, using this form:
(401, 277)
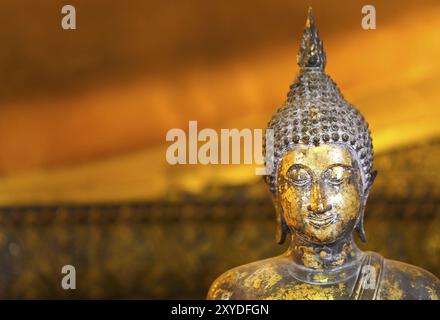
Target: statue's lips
(321, 221)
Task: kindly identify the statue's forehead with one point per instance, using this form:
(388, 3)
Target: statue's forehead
(316, 157)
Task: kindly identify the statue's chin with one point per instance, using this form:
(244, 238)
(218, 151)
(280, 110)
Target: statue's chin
(323, 235)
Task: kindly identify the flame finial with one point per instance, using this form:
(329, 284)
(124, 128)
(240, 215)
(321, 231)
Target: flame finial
(311, 52)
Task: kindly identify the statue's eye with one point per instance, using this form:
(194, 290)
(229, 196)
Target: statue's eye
(298, 176)
(336, 175)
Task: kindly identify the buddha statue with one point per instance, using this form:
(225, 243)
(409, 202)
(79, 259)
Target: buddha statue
(323, 172)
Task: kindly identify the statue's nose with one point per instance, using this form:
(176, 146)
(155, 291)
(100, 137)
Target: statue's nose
(318, 200)
(319, 209)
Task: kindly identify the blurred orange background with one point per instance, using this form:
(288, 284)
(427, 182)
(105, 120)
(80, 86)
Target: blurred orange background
(88, 109)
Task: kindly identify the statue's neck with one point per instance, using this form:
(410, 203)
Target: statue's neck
(332, 256)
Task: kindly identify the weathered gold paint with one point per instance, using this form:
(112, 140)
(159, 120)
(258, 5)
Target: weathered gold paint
(307, 292)
(263, 278)
(301, 202)
(433, 295)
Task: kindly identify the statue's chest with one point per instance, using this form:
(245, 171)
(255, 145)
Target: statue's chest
(306, 291)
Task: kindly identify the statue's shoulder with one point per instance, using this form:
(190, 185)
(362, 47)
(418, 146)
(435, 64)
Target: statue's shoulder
(249, 281)
(404, 281)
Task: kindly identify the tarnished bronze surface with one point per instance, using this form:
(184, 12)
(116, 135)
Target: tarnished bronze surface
(323, 174)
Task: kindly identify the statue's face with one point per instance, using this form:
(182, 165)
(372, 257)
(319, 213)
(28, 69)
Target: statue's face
(319, 192)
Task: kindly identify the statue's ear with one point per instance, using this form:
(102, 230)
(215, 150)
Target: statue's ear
(367, 189)
(360, 224)
(282, 228)
(360, 227)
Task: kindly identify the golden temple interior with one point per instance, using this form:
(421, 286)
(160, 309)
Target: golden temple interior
(84, 114)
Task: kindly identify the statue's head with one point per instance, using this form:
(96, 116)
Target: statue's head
(322, 154)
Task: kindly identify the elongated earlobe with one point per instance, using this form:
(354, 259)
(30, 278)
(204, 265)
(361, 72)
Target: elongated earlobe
(360, 227)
